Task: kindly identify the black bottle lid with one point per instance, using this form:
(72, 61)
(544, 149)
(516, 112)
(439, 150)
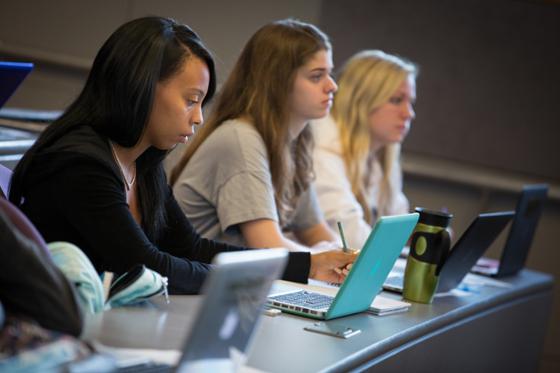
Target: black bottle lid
(435, 218)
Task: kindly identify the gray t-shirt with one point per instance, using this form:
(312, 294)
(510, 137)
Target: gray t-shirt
(228, 182)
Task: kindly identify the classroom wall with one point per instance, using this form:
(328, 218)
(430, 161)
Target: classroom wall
(66, 34)
(488, 71)
(63, 36)
(486, 115)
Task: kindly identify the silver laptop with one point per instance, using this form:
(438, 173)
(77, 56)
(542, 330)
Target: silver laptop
(235, 292)
(365, 279)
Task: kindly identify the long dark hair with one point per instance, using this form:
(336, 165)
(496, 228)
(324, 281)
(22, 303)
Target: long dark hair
(117, 99)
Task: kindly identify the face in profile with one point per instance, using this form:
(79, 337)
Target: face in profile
(313, 90)
(390, 122)
(177, 105)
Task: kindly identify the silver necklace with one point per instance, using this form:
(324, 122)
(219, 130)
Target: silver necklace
(128, 184)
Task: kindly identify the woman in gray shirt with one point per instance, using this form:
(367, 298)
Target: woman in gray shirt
(247, 176)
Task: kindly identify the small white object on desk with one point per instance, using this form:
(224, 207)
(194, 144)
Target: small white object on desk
(272, 312)
(382, 306)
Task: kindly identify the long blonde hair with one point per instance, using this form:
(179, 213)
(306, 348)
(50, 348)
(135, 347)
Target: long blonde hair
(367, 81)
(258, 89)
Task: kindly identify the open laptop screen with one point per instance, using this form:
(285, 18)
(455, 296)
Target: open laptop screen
(11, 76)
(235, 293)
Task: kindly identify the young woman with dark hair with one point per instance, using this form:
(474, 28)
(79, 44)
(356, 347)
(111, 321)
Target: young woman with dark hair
(95, 176)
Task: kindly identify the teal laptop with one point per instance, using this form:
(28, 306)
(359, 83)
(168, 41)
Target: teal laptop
(365, 279)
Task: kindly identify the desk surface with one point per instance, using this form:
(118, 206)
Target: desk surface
(281, 344)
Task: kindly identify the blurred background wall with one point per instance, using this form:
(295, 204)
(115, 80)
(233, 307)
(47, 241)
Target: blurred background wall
(487, 114)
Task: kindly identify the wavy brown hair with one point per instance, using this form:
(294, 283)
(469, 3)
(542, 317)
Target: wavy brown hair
(258, 90)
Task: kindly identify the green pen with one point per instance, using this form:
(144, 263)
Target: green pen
(341, 231)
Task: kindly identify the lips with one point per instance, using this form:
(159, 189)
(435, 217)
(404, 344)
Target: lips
(185, 137)
(402, 131)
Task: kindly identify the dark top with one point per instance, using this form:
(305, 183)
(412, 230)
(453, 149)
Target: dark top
(74, 193)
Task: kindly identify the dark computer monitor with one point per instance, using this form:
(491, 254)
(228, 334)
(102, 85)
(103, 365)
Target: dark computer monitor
(527, 214)
(520, 237)
(467, 250)
(470, 247)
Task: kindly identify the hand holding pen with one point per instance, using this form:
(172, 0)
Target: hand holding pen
(342, 237)
(345, 270)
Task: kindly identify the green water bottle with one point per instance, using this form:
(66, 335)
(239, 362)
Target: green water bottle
(429, 248)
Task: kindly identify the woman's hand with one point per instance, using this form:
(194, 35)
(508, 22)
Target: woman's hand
(346, 270)
(330, 266)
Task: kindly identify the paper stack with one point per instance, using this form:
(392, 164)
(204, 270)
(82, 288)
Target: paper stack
(382, 306)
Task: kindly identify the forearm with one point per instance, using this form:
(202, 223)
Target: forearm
(292, 245)
(265, 233)
(315, 234)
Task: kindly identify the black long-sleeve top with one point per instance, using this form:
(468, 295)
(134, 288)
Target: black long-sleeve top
(74, 193)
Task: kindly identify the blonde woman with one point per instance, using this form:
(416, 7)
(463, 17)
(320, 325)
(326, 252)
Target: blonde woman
(246, 177)
(356, 156)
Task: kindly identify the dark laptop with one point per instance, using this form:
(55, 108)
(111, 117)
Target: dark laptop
(469, 248)
(11, 76)
(515, 252)
(234, 297)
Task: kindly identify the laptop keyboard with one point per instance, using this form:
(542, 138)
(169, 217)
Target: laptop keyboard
(305, 299)
(394, 283)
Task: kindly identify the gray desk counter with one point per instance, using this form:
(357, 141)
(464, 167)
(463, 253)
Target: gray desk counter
(494, 329)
